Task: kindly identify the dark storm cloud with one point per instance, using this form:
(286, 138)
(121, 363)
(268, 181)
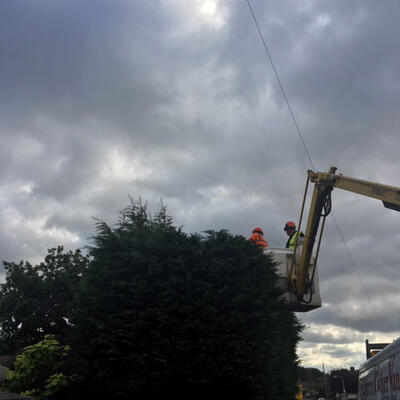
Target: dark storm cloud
(77, 61)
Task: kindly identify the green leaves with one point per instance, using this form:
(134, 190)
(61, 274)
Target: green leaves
(37, 370)
(37, 300)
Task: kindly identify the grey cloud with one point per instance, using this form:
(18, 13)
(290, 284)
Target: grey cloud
(361, 316)
(323, 337)
(338, 353)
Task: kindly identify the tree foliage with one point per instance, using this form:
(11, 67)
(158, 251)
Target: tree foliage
(153, 311)
(38, 370)
(36, 300)
(313, 381)
(161, 311)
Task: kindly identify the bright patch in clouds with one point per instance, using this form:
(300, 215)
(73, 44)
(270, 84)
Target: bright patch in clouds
(123, 167)
(198, 13)
(59, 235)
(211, 11)
(321, 22)
(25, 188)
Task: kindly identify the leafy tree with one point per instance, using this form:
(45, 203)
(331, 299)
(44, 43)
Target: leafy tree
(160, 312)
(38, 370)
(313, 381)
(36, 300)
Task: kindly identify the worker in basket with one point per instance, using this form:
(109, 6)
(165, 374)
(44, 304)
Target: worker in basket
(258, 238)
(294, 236)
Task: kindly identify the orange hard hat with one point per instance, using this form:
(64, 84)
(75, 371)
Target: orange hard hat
(289, 225)
(258, 230)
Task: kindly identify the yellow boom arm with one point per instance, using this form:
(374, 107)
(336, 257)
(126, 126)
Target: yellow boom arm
(323, 185)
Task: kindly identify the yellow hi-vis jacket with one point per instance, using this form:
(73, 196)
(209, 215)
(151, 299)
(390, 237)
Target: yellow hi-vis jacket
(292, 240)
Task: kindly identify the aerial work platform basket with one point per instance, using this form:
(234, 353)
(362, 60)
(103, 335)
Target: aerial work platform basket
(287, 270)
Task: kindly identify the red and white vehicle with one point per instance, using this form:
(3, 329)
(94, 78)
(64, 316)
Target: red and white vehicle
(379, 376)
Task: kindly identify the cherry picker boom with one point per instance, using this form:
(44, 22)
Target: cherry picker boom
(297, 269)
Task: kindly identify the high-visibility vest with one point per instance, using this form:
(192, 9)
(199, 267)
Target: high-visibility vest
(259, 240)
(299, 395)
(292, 240)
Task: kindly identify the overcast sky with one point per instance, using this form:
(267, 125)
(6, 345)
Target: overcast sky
(176, 99)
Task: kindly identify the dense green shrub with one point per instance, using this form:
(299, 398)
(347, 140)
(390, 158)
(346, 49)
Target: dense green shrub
(39, 370)
(160, 312)
(152, 311)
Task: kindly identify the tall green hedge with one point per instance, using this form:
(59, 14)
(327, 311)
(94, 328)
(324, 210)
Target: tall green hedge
(163, 313)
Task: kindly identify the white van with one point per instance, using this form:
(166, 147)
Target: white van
(379, 376)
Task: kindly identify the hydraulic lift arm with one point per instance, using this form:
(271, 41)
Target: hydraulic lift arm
(324, 183)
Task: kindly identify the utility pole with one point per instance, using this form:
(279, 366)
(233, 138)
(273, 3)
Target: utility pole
(326, 386)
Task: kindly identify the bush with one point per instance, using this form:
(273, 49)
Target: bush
(160, 312)
(38, 370)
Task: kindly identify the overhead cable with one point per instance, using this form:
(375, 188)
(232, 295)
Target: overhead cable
(304, 145)
(281, 86)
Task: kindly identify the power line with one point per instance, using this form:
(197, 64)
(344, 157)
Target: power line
(281, 86)
(352, 261)
(305, 146)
